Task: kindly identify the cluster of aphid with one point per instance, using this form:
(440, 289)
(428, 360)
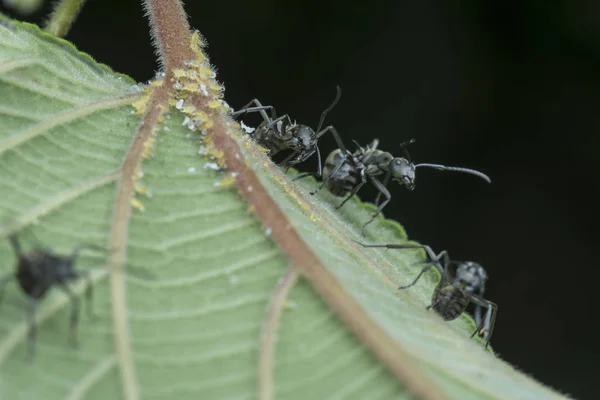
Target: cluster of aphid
(345, 173)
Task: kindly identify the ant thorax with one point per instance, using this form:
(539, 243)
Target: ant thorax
(297, 138)
(376, 161)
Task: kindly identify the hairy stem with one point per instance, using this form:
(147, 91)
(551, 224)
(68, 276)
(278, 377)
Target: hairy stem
(171, 32)
(63, 16)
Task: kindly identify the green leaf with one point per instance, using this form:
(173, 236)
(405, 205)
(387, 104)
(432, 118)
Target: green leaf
(65, 124)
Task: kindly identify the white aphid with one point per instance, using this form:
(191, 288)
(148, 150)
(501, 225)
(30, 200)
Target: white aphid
(247, 128)
(203, 89)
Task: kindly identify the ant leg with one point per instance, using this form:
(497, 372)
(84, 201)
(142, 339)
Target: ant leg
(89, 294)
(330, 176)
(273, 113)
(246, 110)
(259, 108)
(435, 259)
(326, 111)
(286, 163)
(74, 312)
(430, 253)
(77, 249)
(432, 256)
(432, 305)
(274, 122)
(478, 308)
(442, 256)
(343, 151)
(320, 167)
(386, 180)
(487, 325)
(352, 193)
(14, 241)
(391, 246)
(31, 311)
(3, 282)
(382, 189)
(425, 269)
(303, 175)
(336, 136)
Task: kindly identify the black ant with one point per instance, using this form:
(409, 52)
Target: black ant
(454, 291)
(345, 173)
(277, 134)
(37, 271)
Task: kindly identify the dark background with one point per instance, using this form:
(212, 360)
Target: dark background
(508, 87)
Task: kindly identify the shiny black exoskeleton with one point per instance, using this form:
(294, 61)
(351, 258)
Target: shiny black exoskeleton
(346, 177)
(278, 134)
(345, 173)
(454, 292)
(37, 271)
(451, 298)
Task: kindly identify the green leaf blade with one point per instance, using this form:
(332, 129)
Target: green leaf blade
(65, 126)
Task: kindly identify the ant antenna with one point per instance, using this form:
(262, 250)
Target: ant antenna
(457, 169)
(358, 145)
(403, 146)
(335, 101)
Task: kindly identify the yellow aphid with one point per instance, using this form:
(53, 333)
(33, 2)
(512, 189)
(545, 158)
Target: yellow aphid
(191, 87)
(188, 109)
(205, 72)
(200, 115)
(214, 104)
(135, 203)
(213, 85)
(251, 209)
(157, 83)
(196, 44)
(227, 181)
(178, 73)
(140, 104)
(148, 147)
(139, 188)
(208, 124)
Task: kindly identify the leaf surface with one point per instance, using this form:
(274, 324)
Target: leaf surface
(196, 327)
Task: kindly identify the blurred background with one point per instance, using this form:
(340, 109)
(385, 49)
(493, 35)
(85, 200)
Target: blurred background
(511, 88)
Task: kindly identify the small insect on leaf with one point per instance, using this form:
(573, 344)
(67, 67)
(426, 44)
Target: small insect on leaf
(39, 270)
(278, 134)
(345, 173)
(455, 291)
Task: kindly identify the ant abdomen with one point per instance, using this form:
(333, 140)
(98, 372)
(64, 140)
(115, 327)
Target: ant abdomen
(344, 180)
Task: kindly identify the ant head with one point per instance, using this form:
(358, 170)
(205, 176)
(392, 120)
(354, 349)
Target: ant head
(304, 139)
(403, 171)
(471, 276)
